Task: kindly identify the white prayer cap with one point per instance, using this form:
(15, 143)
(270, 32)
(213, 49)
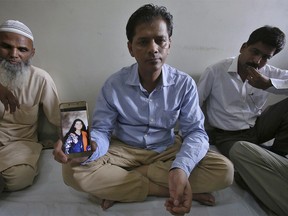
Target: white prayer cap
(16, 27)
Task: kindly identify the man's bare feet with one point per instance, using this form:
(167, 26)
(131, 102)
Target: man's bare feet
(107, 204)
(204, 198)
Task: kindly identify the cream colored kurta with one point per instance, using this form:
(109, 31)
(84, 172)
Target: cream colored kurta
(18, 131)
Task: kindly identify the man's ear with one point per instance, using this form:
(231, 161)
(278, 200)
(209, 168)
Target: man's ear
(244, 46)
(129, 45)
(32, 53)
(169, 45)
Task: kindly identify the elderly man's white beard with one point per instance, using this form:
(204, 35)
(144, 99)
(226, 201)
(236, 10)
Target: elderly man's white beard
(13, 76)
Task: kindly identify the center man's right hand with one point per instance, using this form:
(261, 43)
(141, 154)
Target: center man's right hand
(61, 157)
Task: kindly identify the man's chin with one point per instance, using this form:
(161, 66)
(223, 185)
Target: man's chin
(13, 75)
(155, 68)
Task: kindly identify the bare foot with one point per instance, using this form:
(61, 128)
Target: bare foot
(204, 198)
(107, 204)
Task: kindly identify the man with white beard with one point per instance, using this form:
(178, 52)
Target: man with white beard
(23, 90)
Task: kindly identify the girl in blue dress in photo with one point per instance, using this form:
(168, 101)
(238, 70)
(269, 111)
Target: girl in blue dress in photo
(76, 139)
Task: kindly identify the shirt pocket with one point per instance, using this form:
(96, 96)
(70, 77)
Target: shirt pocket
(167, 118)
(26, 114)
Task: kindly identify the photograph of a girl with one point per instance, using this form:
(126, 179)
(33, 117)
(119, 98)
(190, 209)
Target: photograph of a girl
(76, 139)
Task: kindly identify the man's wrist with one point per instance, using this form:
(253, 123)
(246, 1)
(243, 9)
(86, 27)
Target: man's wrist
(268, 84)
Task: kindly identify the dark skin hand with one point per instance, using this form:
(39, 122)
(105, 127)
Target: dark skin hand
(61, 157)
(180, 200)
(8, 99)
(257, 79)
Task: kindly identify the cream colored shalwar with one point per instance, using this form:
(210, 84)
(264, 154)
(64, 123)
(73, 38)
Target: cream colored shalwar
(18, 131)
(112, 176)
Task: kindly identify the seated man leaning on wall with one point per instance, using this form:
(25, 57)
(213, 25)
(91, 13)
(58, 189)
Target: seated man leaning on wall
(23, 89)
(140, 105)
(235, 90)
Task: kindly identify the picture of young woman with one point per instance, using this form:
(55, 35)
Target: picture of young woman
(76, 139)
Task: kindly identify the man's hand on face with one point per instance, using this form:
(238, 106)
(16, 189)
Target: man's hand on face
(8, 99)
(257, 79)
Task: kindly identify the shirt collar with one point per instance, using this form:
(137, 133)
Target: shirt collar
(234, 66)
(167, 77)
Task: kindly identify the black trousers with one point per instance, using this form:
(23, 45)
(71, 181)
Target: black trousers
(271, 124)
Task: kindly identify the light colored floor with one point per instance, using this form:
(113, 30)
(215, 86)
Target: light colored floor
(49, 196)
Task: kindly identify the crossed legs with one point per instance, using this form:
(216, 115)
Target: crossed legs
(265, 174)
(110, 182)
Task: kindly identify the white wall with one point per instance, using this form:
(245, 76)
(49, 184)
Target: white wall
(81, 42)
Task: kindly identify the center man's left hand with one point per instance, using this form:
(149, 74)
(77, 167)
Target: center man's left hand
(257, 79)
(180, 200)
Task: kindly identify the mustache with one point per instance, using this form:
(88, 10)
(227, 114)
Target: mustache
(14, 68)
(252, 64)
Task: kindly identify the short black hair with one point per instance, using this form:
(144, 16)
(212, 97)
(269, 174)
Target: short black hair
(269, 35)
(146, 14)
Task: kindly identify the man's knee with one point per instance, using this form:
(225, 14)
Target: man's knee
(227, 172)
(243, 151)
(18, 177)
(237, 149)
(213, 166)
